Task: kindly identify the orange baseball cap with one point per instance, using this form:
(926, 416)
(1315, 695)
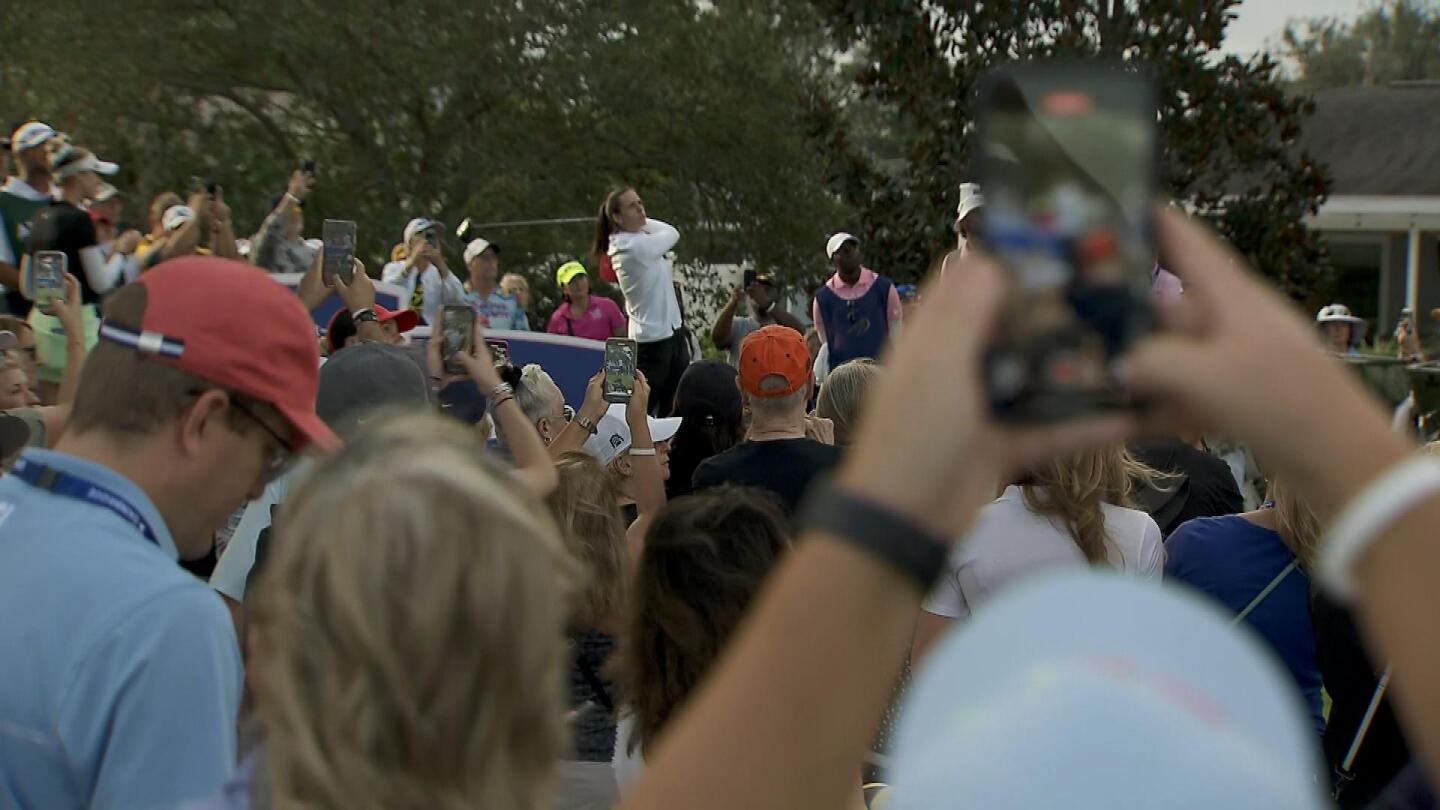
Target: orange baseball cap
(774, 351)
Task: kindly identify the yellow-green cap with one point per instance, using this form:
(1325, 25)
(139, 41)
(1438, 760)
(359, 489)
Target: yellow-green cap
(568, 271)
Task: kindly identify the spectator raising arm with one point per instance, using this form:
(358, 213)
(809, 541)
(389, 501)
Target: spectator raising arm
(583, 426)
(71, 314)
(720, 332)
(534, 469)
(222, 235)
(184, 240)
(645, 472)
(272, 230)
(358, 296)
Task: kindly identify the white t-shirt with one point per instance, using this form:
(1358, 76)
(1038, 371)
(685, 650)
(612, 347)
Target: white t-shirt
(433, 292)
(1010, 542)
(647, 280)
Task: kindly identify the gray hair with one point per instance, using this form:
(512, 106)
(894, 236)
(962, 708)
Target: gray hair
(538, 397)
(762, 408)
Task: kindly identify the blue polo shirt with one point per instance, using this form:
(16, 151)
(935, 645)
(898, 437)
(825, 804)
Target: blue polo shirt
(121, 676)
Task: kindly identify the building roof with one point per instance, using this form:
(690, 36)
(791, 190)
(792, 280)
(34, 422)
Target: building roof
(1378, 140)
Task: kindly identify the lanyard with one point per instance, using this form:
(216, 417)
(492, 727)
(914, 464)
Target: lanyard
(81, 489)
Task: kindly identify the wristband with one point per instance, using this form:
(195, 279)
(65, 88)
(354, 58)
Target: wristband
(1368, 515)
(365, 315)
(642, 451)
(893, 538)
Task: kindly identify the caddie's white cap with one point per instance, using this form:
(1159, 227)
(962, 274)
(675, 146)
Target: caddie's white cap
(838, 241)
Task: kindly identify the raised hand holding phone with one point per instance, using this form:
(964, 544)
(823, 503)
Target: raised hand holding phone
(46, 281)
(620, 373)
(458, 329)
(338, 240)
(69, 309)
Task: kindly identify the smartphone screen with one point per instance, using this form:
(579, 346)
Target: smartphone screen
(47, 276)
(499, 351)
(432, 238)
(619, 370)
(1067, 159)
(338, 236)
(749, 278)
(457, 335)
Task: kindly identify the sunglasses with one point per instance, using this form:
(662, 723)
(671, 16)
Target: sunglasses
(278, 456)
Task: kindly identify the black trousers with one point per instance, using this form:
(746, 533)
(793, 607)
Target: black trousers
(662, 363)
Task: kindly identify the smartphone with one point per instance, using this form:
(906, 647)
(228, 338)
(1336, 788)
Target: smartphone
(432, 238)
(749, 278)
(619, 370)
(499, 351)
(1067, 154)
(338, 237)
(47, 276)
(457, 335)
(308, 166)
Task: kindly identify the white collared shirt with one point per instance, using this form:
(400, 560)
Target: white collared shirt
(647, 279)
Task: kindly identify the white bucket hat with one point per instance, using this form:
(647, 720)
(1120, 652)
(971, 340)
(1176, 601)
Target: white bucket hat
(970, 199)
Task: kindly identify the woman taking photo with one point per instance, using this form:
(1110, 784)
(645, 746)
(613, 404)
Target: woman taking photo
(65, 226)
(1067, 512)
(581, 314)
(638, 249)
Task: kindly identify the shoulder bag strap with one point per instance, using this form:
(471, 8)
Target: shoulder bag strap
(1260, 597)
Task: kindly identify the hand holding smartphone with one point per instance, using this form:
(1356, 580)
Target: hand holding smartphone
(47, 276)
(457, 335)
(499, 351)
(338, 236)
(1067, 157)
(619, 383)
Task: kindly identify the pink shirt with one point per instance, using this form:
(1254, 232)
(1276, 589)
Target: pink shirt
(894, 313)
(602, 320)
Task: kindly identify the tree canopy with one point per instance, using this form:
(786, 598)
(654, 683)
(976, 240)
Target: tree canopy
(1397, 40)
(1229, 131)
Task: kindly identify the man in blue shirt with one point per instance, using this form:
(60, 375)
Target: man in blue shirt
(496, 309)
(122, 674)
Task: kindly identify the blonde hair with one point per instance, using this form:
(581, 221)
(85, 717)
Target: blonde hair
(586, 505)
(1072, 488)
(842, 397)
(408, 630)
(1297, 526)
(511, 283)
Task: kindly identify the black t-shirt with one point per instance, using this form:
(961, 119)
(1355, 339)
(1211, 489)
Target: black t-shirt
(63, 227)
(1203, 486)
(783, 466)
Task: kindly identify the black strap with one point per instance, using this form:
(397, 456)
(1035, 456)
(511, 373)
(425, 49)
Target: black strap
(905, 547)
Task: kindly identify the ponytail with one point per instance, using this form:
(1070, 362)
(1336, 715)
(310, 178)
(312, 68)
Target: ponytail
(605, 221)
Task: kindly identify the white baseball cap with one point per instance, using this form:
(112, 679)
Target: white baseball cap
(418, 225)
(30, 135)
(64, 164)
(1086, 689)
(176, 216)
(1337, 313)
(837, 241)
(970, 199)
(612, 437)
(106, 193)
(478, 246)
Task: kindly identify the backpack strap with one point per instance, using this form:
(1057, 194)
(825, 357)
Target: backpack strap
(1260, 597)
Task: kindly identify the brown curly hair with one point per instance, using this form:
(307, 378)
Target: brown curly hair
(705, 558)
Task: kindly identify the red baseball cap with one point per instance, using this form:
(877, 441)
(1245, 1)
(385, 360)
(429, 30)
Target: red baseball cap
(774, 351)
(200, 317)
(405, 320)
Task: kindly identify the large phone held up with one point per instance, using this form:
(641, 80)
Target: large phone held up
(338, 238)
(619, 383)
(47, 276)
(1067, 159)
(457, 335)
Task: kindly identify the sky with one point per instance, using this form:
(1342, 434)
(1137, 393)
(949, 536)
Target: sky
(1261, 20)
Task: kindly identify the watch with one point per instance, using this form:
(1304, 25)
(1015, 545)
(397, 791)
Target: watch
(587, 425)
(364, 316)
